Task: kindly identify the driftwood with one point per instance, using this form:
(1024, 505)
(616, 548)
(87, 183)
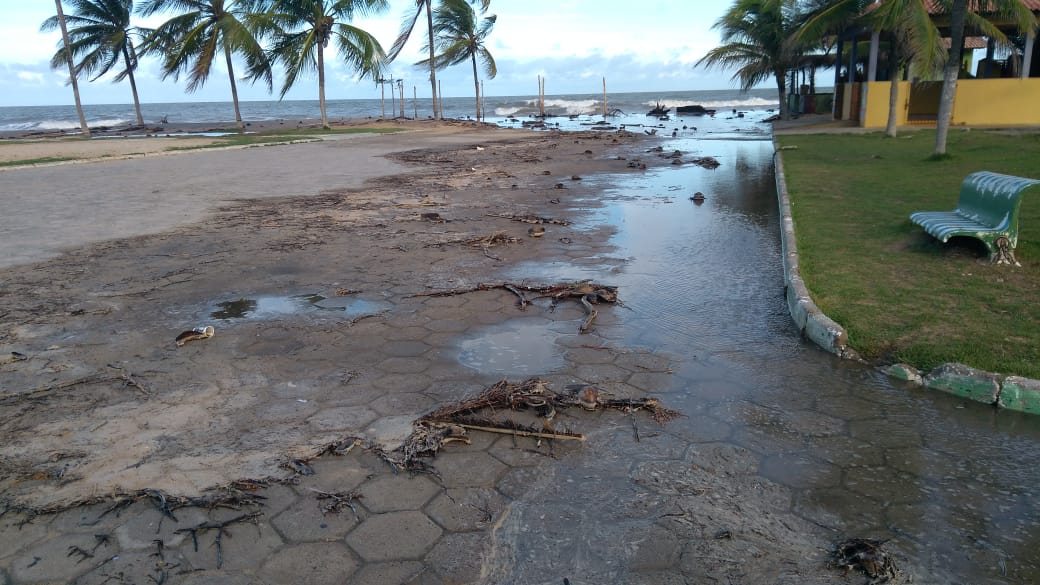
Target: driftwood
(537, 219)
(484, 411)
(585, 291)
(221, 528)
(866, 555)
(336, 501)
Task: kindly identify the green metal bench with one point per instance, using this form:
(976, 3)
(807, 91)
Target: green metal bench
(987, 210)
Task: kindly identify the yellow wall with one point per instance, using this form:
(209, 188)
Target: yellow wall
(979, 102)
(997, 102)
(876, 100)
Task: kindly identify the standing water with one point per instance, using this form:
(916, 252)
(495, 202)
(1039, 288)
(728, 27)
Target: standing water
(815, 444)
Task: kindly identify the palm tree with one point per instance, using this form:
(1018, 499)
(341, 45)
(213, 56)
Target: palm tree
(407, 26)
(101, 37)
(72, 69)
(757, 37)
(962, 17)
(909, 28)
(460, 37)
(303, 29)
(190, 41)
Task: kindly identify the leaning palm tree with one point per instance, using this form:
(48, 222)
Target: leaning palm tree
(190, 41)
(962, 17)
(100, 36)
(906, 23)
(302, 30)
(460, 37)
(407, 26)
(72, 69)
(757, 41)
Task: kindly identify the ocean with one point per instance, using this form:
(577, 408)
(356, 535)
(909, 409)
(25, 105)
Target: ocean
(570, 111)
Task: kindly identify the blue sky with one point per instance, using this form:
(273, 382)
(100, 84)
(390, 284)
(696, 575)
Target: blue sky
(637, 46)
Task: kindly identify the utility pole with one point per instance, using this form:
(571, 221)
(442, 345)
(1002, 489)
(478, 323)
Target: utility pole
(72, 69)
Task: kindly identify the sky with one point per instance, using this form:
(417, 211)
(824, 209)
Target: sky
(637, 46)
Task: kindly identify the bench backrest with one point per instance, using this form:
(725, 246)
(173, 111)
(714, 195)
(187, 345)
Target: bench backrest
(993, 198)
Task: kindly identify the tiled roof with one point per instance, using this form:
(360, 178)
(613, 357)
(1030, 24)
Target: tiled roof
(978, 5)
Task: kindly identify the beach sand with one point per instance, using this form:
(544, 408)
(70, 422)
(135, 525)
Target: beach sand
(105, 263)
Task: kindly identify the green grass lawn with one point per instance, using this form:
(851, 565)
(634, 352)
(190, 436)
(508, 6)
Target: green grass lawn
(900, 294)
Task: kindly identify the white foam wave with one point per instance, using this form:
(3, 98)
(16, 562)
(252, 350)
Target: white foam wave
(573, 106)
(750, 102)
(504, 111)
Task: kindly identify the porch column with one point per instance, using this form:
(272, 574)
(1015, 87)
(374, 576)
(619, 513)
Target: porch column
(837, 62)
(1028, 58)
(875, 40)
(852, 61)
(986, 70)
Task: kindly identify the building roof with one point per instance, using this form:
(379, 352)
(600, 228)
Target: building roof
(935, 7)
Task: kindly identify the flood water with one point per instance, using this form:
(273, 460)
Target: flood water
(953, 483)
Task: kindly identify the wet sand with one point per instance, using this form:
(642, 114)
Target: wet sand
(107, 262)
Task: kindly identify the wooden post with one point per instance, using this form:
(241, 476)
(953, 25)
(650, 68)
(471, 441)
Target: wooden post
(72, 69)
(400, 92)
(480, 110)
(440, 98)
(1027, 57)
(393, 103)
(415, 102)
(382, 98)
(604, 99)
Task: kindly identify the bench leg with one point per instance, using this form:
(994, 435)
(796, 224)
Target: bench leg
(1003, 253)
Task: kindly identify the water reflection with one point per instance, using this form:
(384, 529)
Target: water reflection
(269, 307)
(840, 446)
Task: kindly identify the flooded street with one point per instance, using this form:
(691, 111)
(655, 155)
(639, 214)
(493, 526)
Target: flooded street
(815, 445)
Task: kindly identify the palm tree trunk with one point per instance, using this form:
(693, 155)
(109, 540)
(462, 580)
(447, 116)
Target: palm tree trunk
(476, 83)
(433, 69)
(234, 88)
(893, 92)
(133, 85)
(958, 15)
(72, 70)
(781, 89)
(321, 85)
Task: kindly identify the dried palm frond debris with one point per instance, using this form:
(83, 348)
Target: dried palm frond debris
(486, 412)
(866, 555)
(528, 218)
(585, 292)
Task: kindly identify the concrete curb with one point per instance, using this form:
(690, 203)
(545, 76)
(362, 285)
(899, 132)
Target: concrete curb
(811, 321)
(1008, 392)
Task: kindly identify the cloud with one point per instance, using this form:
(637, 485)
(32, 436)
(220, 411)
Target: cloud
(30, 77)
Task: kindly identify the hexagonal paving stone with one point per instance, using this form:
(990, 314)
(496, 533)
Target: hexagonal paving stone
(800, 471)
(353, 394)
(405, 348)
(220, 578)
(304, 521)
(390, 432)
(447, 326)
(844, 451)
(398, 573)
(886, 433)
(409, 333)
(286, 410)
(468, 469)
(402, 403)
(839, 508)
(466, 509)
(394, 536)
(403, 365)
(602, 373)
(456, 559)
(704, 428)
(654, 382)
(333, 474)
(15, 536)
(589, 355)
(143, 524)
(393, 493)
(723, 458)
(653, 548)
(50, 560)
(885, 484)
(243, 546)
(326, 563)
(134, 566)
(517, 482)
(342, 418)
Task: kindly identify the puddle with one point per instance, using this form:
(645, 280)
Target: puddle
(268, 307)
(514, 350)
